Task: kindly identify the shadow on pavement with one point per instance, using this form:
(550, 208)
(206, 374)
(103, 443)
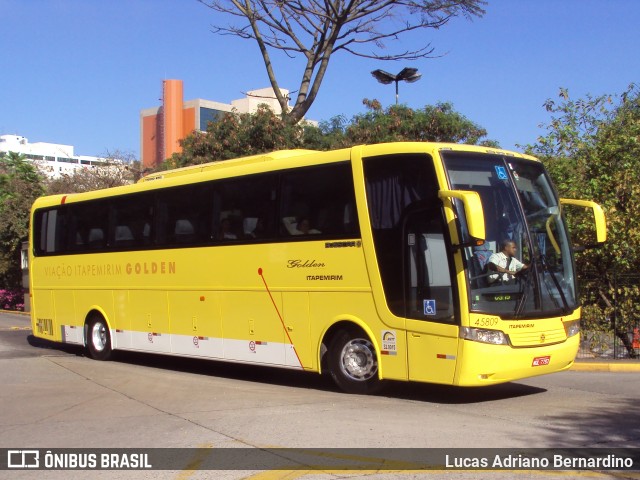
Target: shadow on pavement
(291, 378)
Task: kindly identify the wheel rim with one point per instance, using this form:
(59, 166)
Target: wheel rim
(358, 360)
(99, 336)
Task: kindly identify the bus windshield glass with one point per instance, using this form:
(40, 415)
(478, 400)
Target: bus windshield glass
(525, 234)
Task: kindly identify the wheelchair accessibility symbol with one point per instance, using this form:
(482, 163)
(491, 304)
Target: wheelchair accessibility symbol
(502, 172)
(429, 307)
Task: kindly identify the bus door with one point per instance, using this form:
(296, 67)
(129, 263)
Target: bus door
(432, 333)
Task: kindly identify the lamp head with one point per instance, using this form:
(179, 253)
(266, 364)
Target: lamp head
(409, 75)
(384, 77)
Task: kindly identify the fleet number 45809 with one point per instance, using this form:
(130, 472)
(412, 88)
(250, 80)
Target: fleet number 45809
(486, 322)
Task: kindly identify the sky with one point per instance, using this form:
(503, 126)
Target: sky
(78, 72)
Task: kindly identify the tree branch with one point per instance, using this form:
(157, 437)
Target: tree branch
(317, 29)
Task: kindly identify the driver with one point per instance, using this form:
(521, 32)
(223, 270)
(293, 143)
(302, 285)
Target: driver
(504, 263)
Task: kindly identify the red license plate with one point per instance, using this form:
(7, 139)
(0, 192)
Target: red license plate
(540, 361)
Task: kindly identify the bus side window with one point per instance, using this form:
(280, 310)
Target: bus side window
(129, 215)
(51, 232)
(184, 215)
(245, 208)
(323, 196)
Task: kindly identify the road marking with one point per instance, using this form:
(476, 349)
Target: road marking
(195, 462)
(295, 474)
(397, 468)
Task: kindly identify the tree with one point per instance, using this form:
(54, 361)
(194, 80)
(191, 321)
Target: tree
(236, 135)
(119, 169)
(20, 185)
(316, 30)
(399, 123)
(592, 150)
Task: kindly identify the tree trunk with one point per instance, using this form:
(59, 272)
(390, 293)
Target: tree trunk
(628, 344)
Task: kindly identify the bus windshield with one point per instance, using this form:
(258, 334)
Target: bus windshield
(520, 207)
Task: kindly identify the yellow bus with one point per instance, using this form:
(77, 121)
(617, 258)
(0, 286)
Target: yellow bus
(369, 263)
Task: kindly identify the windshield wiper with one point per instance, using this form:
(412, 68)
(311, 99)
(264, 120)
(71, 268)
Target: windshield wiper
(524, 290)
(545, 269)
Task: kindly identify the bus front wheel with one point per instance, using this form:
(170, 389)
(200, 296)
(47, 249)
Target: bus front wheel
(98, 338)
(353, 363)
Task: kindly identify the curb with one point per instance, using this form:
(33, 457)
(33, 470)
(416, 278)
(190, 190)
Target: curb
(606, 367)
(16, 312)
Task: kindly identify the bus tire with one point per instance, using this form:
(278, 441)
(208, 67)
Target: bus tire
(353, 363)
(98, 338)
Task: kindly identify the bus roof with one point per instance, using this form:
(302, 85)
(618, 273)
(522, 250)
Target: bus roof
(285, 154)
(273, 161)
(220, 164)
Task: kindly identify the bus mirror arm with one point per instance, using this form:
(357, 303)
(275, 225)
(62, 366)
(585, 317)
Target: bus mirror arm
(598, 217)
(473, 212)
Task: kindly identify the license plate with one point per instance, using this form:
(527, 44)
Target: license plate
(540, 361)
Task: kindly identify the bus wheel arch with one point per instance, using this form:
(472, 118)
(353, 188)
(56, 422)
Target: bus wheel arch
(97, 336)
(350, 357)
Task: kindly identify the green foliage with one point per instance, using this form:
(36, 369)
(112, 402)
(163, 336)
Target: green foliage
(20, 185)
(236, 135)
(592, 150)
(398, 123)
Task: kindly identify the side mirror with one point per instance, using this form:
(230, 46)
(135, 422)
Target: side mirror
(472, 210)
(598, 217)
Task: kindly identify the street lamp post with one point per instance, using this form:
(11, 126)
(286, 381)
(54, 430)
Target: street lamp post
(407, 74)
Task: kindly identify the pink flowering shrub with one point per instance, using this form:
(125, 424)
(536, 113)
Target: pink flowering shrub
(11, 300)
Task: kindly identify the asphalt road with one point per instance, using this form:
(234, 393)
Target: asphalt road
(55, 397)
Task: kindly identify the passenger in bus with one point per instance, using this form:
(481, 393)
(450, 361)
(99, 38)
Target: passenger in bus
(505, 264)
(225, 230)
(253, 227)
(304, 228)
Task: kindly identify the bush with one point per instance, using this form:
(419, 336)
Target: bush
(12, 300)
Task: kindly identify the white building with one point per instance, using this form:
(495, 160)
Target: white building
(52, 159)
(255, 98)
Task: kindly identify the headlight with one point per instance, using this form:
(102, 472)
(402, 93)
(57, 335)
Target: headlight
(572, 328)
(495, 337)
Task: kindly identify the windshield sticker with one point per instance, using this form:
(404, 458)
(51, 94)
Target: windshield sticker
(502, 172)
(513, 171)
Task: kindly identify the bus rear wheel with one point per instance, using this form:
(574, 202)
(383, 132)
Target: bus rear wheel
(353, 363)
(98, 338)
